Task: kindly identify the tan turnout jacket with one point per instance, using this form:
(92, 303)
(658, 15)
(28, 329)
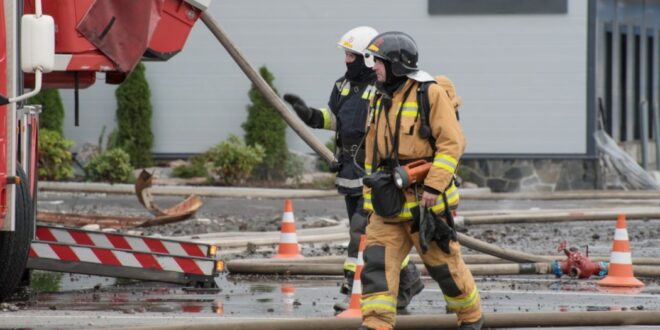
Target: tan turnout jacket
(449, 140)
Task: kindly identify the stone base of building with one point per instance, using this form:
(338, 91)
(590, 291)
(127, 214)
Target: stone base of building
(519, 175)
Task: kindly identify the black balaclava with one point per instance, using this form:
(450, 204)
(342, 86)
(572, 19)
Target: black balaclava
(357, 71)
(392, 83)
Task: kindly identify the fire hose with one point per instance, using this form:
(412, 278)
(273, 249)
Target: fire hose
(424, 322)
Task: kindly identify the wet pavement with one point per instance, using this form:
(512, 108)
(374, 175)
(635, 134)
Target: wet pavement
(103, 303)
(80, 301)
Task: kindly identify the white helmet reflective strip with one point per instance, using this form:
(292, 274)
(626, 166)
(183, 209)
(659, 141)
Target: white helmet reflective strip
(357, 39)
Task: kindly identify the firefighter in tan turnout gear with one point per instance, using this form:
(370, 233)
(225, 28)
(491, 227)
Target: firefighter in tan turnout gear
(400, 132)
(347, 114)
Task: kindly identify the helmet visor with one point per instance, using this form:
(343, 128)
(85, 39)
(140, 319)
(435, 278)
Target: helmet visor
(369, 59)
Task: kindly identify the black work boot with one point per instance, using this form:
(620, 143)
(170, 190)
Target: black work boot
(346, 287)
(405, 295)
(473, 325)
(410, 284)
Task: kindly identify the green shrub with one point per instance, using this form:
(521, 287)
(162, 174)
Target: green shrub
(55, 161)
(295, 166)
(134, 118)
(52, 110)
(196, 168)
(264, 126)
(233, 161)
(112, 166)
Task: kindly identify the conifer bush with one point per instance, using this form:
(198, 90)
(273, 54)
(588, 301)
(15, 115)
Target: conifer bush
(265, 127)
(134, 113)
(52, 110)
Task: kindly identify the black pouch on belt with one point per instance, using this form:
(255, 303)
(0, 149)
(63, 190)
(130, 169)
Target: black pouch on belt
(386, 198)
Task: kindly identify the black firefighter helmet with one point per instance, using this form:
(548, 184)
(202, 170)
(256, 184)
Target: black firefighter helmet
(395, 47)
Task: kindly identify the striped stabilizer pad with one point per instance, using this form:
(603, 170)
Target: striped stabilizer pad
(69, 255)
(122, 241)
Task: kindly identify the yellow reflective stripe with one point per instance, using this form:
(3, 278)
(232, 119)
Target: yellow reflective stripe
(463, 303)
(445, 162)
(367, 202)
(351, 266)
(406, 212)
(405, 262)
(409, 109)
(367, 168)
(378, 302)
(368, 92)
(327, 119)
(345, 91)
(452, 198)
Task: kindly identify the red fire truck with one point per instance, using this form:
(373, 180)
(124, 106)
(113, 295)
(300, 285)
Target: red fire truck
(65, 44)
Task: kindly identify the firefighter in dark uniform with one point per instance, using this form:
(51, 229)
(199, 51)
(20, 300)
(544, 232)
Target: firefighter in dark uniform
(400, 132)
(346, 114)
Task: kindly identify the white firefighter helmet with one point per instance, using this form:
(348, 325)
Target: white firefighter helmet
(357, 39)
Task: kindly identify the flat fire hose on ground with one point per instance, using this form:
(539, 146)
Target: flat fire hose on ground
(181, 211)
(271, 97)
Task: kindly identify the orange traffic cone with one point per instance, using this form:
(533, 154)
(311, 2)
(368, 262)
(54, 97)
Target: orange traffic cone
(356, 294)
(288, 248)
(620, 272)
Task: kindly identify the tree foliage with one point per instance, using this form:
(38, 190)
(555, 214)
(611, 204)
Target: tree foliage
(55, 161)
(265, 127)
(52, 110)
(134, 113)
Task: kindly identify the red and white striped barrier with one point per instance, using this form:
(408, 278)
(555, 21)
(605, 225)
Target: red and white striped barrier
(60, 257)
(122, 241)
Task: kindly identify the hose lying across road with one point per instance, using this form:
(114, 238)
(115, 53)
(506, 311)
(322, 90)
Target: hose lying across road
(468, 258)
(424, 322)
(311, 268)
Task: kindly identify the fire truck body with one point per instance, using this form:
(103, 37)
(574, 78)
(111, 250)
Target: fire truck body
(65, 44)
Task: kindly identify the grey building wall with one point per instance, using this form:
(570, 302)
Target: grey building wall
(522, 77)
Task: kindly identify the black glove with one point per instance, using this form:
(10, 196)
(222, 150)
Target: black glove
(299, 106)
(334, 166)
(432, 229)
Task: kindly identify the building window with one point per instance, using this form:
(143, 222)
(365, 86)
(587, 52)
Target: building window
(497, 7)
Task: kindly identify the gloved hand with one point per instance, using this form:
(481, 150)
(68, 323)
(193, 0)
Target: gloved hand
(334, 166)
(432, 229)
(299, 106)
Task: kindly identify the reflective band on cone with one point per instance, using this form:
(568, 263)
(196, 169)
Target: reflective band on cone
(288, 247)
(288, 293)
(356, 294)
(620, 271)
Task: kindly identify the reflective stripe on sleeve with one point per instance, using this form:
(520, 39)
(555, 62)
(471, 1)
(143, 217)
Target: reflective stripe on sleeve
(328, 119)
(452, 198)
(367, 202)
(350, 264)
(445, 162)
(463, 303)
(382, 302)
